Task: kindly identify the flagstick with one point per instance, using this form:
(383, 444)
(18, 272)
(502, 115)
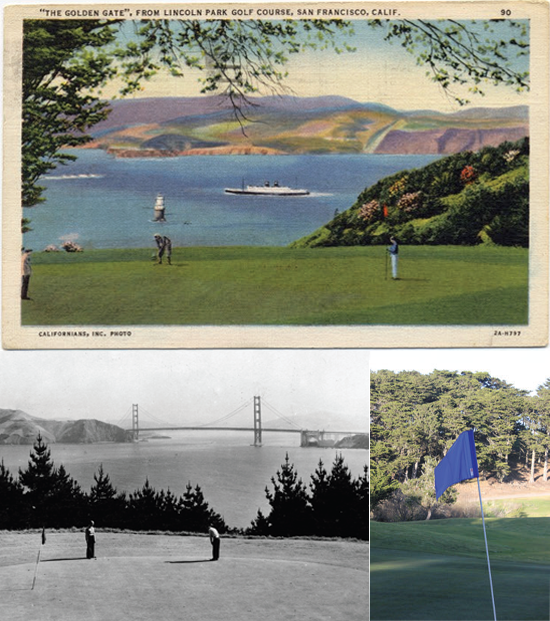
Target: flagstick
(36, 568)
(487, 550)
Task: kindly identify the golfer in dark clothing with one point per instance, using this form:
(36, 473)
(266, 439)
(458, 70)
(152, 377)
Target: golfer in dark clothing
(215, 541)
(164, 246)
(90, 541)
(26, 272)
(394, 254)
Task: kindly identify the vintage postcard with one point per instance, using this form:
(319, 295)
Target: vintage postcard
(275, 175)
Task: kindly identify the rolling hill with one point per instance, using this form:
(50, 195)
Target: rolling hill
(17, 427)
(469, 198)
(293, 125)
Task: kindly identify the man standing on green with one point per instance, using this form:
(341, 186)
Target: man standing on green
(26, 272)
(394, 254)
(215, 541)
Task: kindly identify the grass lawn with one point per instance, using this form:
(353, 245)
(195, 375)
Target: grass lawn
(140, 577)
(438, 570)
(519, 507)
(439, 285)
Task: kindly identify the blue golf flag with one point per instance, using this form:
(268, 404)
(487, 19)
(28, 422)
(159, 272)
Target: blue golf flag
(459, 464)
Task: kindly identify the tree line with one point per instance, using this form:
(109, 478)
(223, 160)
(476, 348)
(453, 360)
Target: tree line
(44, 495)
(415, 419)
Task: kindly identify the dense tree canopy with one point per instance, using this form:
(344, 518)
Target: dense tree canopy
(416, 418)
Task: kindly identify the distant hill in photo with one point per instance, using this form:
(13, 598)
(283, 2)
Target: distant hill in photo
(18, 427)
(282, 125)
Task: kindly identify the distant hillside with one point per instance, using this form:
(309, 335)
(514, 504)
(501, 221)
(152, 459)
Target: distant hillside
(465, 199)
(320, 421)
(357, 441)
(292, 125)
(17, 427)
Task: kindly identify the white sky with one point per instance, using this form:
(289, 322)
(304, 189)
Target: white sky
(526, 369)
(178, 386)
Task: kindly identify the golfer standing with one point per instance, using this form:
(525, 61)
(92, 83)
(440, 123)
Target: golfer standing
(26, 271)
(90, 541)
(215, 541)
(394, 254)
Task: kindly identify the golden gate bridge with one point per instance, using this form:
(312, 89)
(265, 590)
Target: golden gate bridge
(307, 437)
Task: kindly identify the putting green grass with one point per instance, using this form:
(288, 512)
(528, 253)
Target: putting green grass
(438, 569)
(141, 577)
(439, 285)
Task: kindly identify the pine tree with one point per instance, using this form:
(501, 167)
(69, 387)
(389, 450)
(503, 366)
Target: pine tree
(106, 506)
(51, 496)
(11, 497)
(290, 511)
(196, 515)
(335, 501)
(320, 499)
(68, 501)
(144, 508)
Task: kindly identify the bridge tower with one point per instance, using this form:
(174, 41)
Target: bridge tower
(135, 422)
(257, 422)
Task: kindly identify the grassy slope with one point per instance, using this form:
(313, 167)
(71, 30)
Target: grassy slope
(279, 286)
(450, 202)
(438, 570)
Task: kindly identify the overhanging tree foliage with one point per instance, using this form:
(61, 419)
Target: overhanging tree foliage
(473, 52)
(67, 62)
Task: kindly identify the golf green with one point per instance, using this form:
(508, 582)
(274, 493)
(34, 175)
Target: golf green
(438, 570)
(439, 285)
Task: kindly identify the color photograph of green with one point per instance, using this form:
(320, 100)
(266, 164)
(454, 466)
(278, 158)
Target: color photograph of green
(431, 542)
(437, 285)
(438, 569)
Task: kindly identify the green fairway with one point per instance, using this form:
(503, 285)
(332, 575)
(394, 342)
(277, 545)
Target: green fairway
(438, 285)
(519, 507)
(438, 569)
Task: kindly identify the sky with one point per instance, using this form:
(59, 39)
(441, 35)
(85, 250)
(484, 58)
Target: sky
(526, 369)
(185, 386)
(378, 72)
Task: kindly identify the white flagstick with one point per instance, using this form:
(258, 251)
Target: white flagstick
(36, 568)
(487, 550)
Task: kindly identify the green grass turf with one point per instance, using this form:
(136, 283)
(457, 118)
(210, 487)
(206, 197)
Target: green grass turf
(439, 285)
(519, 507)
(438, 569)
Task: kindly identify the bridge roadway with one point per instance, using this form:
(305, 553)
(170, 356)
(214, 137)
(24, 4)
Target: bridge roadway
(269, 429)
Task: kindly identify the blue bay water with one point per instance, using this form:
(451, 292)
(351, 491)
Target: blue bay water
(104, 202)
(232, 474)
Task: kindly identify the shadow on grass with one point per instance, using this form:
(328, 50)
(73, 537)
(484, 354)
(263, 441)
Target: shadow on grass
(204, 560)
(56, 560)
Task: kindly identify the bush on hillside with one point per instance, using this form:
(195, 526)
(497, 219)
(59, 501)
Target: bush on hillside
(466, 199)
